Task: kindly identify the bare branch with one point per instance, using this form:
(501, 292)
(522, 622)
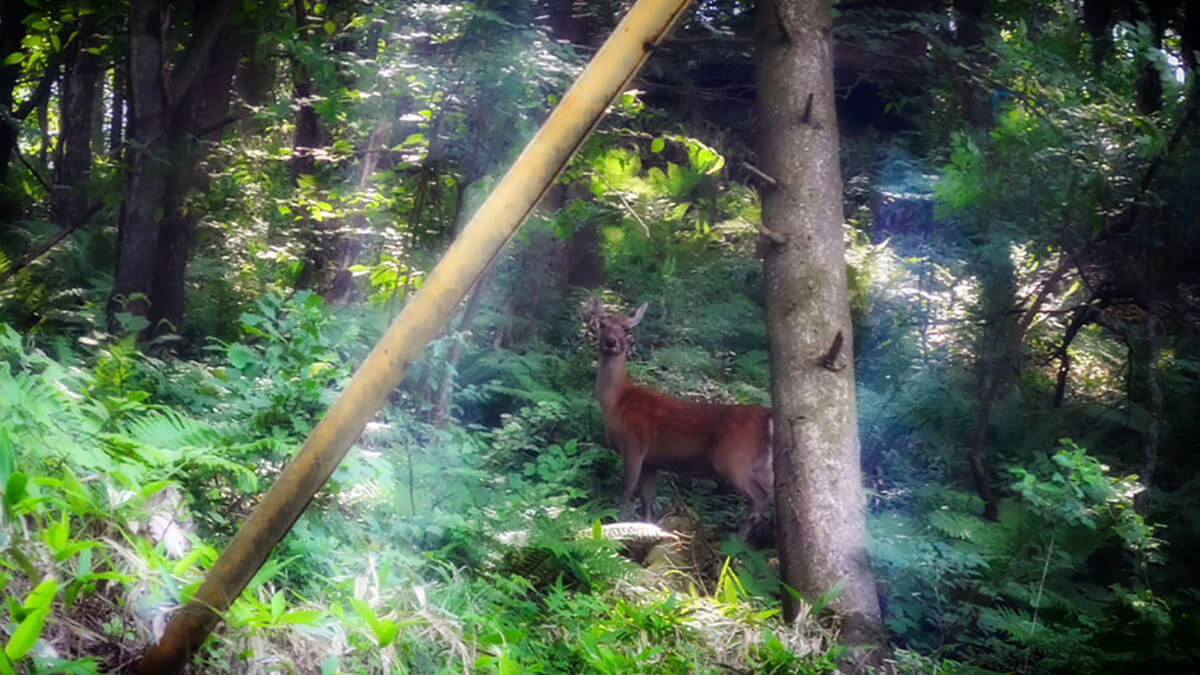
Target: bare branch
(52, 242)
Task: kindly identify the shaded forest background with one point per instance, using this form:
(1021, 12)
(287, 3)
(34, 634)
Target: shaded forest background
(210, 211)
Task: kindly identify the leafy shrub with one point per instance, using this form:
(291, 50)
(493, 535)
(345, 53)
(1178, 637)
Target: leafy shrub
(1006, 593)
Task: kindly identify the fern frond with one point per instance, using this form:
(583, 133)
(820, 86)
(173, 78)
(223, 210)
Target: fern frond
(957, 525)
(168, 429)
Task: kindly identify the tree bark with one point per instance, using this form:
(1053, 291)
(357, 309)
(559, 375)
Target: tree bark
(969, 35)
(116, 120)
(167, 124)
(818, 479)
(202, 110)
(137, 234)
(79, 93)
(12, 31)
(1149, 83)
(1098, 17)
(307, 137)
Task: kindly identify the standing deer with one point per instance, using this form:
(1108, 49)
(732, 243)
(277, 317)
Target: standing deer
(653, 431)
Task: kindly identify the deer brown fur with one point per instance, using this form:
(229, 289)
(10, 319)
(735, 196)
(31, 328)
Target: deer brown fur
(653, 431)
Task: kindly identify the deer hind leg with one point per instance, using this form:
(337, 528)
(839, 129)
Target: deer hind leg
(755, 480)
(741, 477)
(762, 479)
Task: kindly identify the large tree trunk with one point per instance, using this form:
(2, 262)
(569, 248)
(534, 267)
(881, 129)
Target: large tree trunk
(970, 36)
(1098, 17)
(818, 483)
(12, 31)
(137, 234)
(167, 125)
(203, 113)
(1149, 82)
(79, 94)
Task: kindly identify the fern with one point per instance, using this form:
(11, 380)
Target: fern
(165, 428)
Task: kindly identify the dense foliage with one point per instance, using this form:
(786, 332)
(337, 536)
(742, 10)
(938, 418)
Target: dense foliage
(1020, 194)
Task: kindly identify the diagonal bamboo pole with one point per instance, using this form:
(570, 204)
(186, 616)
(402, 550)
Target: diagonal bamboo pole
(483, 237)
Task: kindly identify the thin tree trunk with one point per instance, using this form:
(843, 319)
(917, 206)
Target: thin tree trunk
(1149, 83)
(818, 478)
(1155, 428)
(970, 36)
(74, 162)
(1143, 386)
(1079, 318)
(350, 244)
(116, 122)
(999, 360)
(439, 413)
(305, 142)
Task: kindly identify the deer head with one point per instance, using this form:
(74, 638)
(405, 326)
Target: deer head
(612, 330)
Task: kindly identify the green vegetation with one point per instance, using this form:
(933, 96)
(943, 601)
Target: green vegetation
(1022, 225)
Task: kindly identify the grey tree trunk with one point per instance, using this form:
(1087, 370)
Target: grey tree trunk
(818, 483)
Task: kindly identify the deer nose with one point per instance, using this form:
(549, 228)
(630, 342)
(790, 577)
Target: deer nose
(610, 343)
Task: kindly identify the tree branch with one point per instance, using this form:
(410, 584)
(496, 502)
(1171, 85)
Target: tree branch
(44, 183)
(41, 93)
(199, 50)
(52, 242)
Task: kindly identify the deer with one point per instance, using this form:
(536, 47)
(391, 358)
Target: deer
(652, 431)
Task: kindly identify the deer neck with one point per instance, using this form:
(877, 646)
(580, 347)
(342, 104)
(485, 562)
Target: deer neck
(611, 381)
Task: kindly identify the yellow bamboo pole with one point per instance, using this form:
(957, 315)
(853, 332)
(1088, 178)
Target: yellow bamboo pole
(489, 229)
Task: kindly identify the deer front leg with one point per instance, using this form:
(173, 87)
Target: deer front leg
(631, 471)
(646, 485)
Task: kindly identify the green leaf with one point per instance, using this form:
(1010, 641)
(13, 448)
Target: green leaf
(69, 549)
(386, 632)
(25, 635)
(84, 564)
(7, 457)
(278, 606)
(240, 356)
(15, 489)
(41, 596)
(827, 597)
(307, 617)
(657, 145)
(330, 27)
(14, 58)
(506, 665)
(364, 612)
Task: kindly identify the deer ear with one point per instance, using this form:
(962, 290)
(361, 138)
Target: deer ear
(637, 316)
(595, 312)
